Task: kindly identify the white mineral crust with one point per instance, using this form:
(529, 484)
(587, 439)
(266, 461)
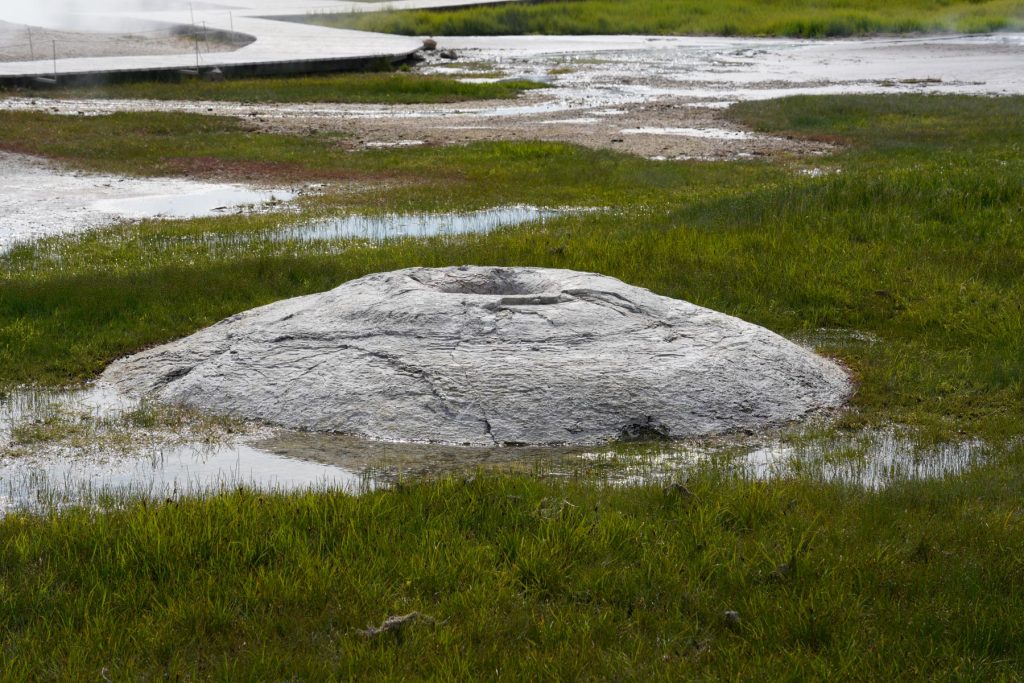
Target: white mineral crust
(486, 355)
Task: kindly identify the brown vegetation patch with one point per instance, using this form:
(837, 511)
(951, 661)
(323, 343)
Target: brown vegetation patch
(22, 148)
(239, 170)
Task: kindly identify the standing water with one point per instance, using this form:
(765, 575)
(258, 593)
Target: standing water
(391, 225)
(89, 446)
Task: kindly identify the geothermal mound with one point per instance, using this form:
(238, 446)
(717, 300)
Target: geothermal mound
(482, 356)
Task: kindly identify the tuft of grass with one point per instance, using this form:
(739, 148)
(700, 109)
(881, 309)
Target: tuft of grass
(55, 424)
(368, 88)
(800, 18)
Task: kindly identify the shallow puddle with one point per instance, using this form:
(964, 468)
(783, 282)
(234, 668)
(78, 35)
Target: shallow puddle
(706, 133)
(157, 465)
(82, 447)
(191, 470)
(212, 202)
(390, 225)
(872, 459)
(39, 199)
(393, 143)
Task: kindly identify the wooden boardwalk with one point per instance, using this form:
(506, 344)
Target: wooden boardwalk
(279, 47)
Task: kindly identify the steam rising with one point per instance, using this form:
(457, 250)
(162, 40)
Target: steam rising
(81, 14)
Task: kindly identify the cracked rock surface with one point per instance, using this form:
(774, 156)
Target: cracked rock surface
(487, 355)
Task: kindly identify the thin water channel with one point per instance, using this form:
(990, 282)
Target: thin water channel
(393, 225)
(83, 465)
(372, 228)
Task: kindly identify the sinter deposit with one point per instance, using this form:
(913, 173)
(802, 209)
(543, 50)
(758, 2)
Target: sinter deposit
(478, 355)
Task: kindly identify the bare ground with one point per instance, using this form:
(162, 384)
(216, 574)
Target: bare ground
(667, 129)
(661, 98)
(670, 128)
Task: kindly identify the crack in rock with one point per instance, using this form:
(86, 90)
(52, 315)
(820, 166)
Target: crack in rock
(452, 354)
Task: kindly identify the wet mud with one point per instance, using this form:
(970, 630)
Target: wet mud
(160, 464)
(658, 97)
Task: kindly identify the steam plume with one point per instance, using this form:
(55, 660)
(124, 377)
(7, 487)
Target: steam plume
(81, 14)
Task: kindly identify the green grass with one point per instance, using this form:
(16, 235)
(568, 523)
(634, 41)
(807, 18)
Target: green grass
(529, 580)
(47, 422)
(917, 241)
(801, 18)
(371, 88)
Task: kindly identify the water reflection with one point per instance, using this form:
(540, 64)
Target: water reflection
(871, 458)
(391, 225)
(156, 464)
(52, 480)
(207, 202)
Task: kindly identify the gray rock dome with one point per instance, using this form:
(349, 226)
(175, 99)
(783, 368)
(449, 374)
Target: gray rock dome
(486, 355)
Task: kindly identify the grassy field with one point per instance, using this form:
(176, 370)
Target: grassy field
(907, 251)
(527, 579)
(800, 18)
(372, 88)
